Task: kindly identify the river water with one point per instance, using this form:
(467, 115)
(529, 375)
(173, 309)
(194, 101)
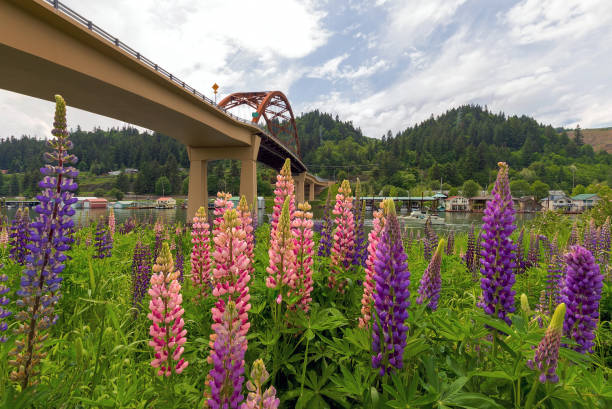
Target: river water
(452, 220)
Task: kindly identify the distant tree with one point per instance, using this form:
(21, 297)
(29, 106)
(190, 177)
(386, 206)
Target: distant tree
(520, 188)
(453, 191)
(162, 186)
(122, 182)
(185, 186)
(578, 138)
(470, 188)
(540, 189)
(99, 192)
(116, 193)
(14, 188)
(578, 190)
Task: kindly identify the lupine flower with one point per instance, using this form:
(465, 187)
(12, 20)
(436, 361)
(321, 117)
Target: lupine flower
(477, 252)
(429, 289)
(102, 241)
(127, 226)
(430, 239)
(391, 299)
(533, 256)
(4, 237)
(573, 238)
(581, 294)
(281, 269)
(231, 273)
(590, 237)
(554, 275)
(327, 229)
(141, 272)
(167, 330)
(303, 251)
(284, 188)
(159, 230)
(246, 224)
(547, 353)
(200, 253)
(521, 263)
(180, 258)
(378, 223)
(256, 399)
(450, 245)
(469, 253)
(604, 244)
(20, 236)
(111, 222)
(408, 232)
(360, 247)
(40, 280)
(497, 254)
(344, 235)
(227, 355)
(4, 300)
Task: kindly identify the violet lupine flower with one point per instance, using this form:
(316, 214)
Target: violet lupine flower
(430, 239)
(167, 330)
(344, 236)
(246, 224)
(227, 355)
(159, 230)
(573, 238)
(327, 229)
(4, 300)
(408, 245)
(477, 251)
(200, 253)
(581, 294)
(450, 244)
(127, 226)
(547, 353)
(590, 237)
(604, 244)
(111, 222)
(497, 254)
(391, 299)
(378, 223)
(256, 399)
(303, 252)
(533, 256)
(429, 288)
(141, 273)
(180, 259)
(521, 263)
(102, 241)
(469, 253)
(284, 188)
(554, 275)
(281, 253)
(20, 236)
(40, 280)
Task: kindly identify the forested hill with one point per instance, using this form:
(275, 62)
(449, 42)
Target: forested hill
(462, 144)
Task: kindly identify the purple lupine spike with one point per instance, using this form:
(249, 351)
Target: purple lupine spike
(4, 300)
(554, 275)
(40, 280)
(581, 294)
(430, 239)
(429, 288)
(477, 252)
(102, 241)
(19, 236)
(533, 256)
(521, 263)
(498, 250)
(327, 230)
(604, 244)
(450, 244)
(573, 239)
(391, 299)
(469, 253)
(410, 239)
(589, 238)
(180, 257)
(547, 353)
(141, 273)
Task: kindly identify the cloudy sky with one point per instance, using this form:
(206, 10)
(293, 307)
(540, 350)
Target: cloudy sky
(383, 64)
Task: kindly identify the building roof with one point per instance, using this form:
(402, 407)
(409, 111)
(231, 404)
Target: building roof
(165, 199)
(585, 196)
(439, 195)
(96, 199)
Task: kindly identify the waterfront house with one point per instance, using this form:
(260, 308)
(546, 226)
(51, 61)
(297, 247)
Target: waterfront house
(585, 201)
(457, 204)
(165, 203)
(95, 203)
(557, 200)
(529, 204)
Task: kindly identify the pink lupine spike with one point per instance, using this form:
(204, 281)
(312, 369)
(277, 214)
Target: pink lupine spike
(344, 235)
(303, 250)
(281, 269)
(284, 188)
(200, 253)
(246, 224)
(167, 329)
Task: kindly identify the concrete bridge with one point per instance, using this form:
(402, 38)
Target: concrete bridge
(46, 49)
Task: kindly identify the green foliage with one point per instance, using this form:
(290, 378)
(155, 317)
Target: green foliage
(116, 193)
(162, 186)
(470, 188)
(99, 192)
(539, 189)
(520, 188)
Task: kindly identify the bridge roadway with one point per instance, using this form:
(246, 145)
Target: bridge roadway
(47, 49)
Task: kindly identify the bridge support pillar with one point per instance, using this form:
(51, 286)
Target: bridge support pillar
(248, 172)
(311, 193)
(300, 180)
(198, 187)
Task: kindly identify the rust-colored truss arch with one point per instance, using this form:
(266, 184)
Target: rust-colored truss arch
(274, 107)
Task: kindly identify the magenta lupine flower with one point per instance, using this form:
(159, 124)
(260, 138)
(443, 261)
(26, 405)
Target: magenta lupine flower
(200, 253)
(303, 252)
(167, 330)
(257, 399)
(533, 256)
(521, 263)
(391, 299)
(429, 288)
(497, 254)
(281, 270)
(180, 257)
(141, 273)
(223, 203)
(344, 235)
(102, 241)
(430, 239)
(246, 224)
(4, 237)
(450, 244)
(20, 236)
(327, 229)
(4, 300)
(284, 188)
(227, 356)
(581, 294)
(378, 223)
(547, 353)
(231, 272)
(40, 280)
(111, 222)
